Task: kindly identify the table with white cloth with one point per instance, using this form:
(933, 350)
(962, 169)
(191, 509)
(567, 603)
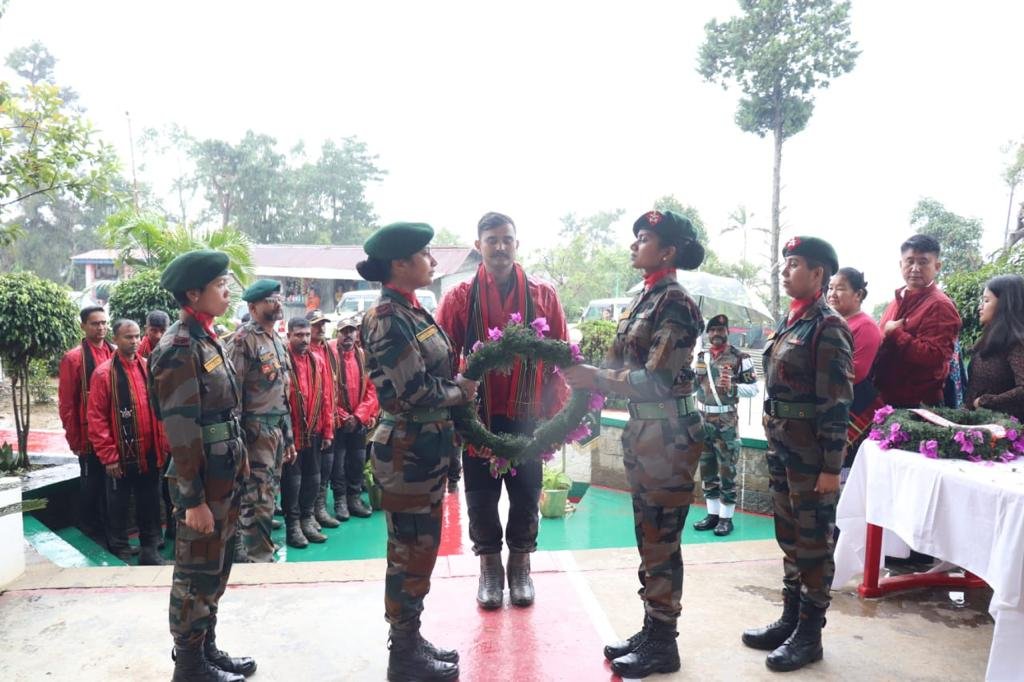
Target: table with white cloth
(966, 513)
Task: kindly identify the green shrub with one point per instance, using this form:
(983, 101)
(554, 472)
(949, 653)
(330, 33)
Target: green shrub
(40, 386)
(966, 288)
(132, 299)
(597, 339)
(555, 479)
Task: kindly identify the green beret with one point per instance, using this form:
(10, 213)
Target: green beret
(717, 321)
(261, 289)
(813, 248)
(668, 225)
(398, 240)
(194, 270)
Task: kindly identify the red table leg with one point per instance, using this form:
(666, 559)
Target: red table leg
(872, 559)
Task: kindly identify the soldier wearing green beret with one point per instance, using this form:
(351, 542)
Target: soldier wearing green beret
(808, 368)
(261, 366)
(649, 363)
(724, 375)
(412, 365)
(197, 399)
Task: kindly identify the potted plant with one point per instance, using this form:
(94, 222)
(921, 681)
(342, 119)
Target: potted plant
(555, 485)
(372, 489)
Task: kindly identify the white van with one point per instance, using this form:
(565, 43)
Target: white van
(356, 302)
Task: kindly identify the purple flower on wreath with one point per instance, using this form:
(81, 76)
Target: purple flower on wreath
(578, 434)
(498, 466)
(515, 318)
(1014, 420)
(476, 346)
(1007, 456)
(929, 448)
(1012, 435)
(974, 458)
(897, 435)
(882, 413)
(1018, 445)
(966, 444)
(876, 434)
(547, 456)
(596, 401)
(540, 325)
(494, 334)
(577, 356)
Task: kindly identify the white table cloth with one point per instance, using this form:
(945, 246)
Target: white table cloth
(970, 514)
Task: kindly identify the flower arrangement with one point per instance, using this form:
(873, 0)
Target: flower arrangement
(977, 436)
(518, 339)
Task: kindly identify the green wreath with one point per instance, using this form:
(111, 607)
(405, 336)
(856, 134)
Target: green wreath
(996, 438)
(498, 354)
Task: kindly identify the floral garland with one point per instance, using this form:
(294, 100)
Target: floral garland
(506, 450)
(904, 429)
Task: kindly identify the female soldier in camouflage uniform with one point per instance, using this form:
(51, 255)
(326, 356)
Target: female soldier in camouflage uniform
(197, 399)
(649, 363)
(808, 370)
(412, 366)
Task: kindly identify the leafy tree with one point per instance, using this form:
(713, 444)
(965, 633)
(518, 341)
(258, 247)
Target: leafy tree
(1013, 175)
(959, 237)
(37, 322)
(598, 336)
(778, 52)
(446, 237)
(134, 297)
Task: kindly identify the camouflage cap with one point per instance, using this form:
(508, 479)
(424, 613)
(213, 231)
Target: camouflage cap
(194, 270)
(316, 316)
(814, 248)
(398, 240)
(667, 225)
(717, 321)
(261, 289)
(350, 321)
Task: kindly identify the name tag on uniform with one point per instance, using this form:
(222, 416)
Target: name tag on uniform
(426, 333)
(213, 363)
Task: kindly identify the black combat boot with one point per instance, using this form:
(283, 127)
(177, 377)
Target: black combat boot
(490, 592)
(613, 651)
(409, 660)
(311, 532)
(520, 585)
(340, 503)
(804, 645)
(150, 557)
(446, 655)
(190, 665)
(657, 653)
(771, 637)
(723, 528)
(709, 522)
(294, 535)
(320, 511)
(243, 665)
(358, 508)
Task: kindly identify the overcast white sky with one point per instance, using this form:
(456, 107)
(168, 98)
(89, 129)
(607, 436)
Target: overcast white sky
(537, 109)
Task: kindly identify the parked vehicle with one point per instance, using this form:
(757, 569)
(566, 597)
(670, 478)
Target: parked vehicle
(357, 302)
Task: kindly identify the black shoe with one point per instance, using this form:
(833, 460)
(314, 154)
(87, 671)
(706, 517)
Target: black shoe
(358, 508)
(311, 532)
(276, 524)
(709, 522)
(320, 511)
(150, 557)
(446, 655)
(242, 665)
(723, 528)
(124, 555)
(134, 550)
(341, 505)
(294, 537)
(613, 651)
(490, 591)
(520, 585)
(657, 653)
(409, 661)
(190, 665)
(772, 636)
(804, 645)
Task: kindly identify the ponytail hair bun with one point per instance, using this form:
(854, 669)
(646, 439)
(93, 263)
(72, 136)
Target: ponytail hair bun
(689, 255)
(374, 270)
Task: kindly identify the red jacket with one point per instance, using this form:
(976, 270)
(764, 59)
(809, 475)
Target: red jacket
(69, 395)
(327, 373)
(453, 316)
(102, 432)
(302, 389)
(145, 347)
(362, 398)
(912, 362)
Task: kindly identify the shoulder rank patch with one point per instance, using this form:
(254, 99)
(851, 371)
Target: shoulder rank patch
(213, 363)
(182, 337)
(384, 309)
(426, 333)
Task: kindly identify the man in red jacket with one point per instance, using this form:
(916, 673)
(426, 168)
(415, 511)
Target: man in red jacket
(312, 427)
(919, 328)
(157, 322)
(328, 365)
(511, 402)
(76, 369)
(128, 442)
(356, 413)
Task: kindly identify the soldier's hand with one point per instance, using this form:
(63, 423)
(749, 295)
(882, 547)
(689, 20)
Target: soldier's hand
(468, 387)
(581, 377)
(827, 483)
(290, 454)
(200, 519)
(115, 471)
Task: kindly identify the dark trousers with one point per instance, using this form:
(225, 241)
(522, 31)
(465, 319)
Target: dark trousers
(483, 492)
(165, 492)
(92, 503)
(343, 464)
(300, 483)
(455, 469)
(146, 488)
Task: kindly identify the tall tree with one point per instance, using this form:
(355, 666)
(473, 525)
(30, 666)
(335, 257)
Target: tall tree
(1013, 175)
(778, 52)
(959, 237)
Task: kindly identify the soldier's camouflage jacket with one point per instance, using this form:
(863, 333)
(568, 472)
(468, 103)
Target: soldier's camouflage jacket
(262, 370)
(710, 368)
(192, 384)
(811, 361)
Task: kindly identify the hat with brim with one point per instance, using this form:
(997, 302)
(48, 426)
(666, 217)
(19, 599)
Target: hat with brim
(261, 289)
(813, 248)
(316, 317)
(194, 270)
(347, 322)
(398, 240)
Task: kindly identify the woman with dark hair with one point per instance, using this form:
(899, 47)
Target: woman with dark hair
(997, 370)
(412, 365)
(650, 364)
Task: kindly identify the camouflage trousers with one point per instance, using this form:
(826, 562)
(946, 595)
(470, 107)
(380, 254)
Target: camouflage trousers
(718, 460)
(413, 541)
(661, 458)
(804, 523)
(202, 562)
(265, 444)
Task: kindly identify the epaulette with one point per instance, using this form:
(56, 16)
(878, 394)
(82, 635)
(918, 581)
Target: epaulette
(384, 309)
(181, 338)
